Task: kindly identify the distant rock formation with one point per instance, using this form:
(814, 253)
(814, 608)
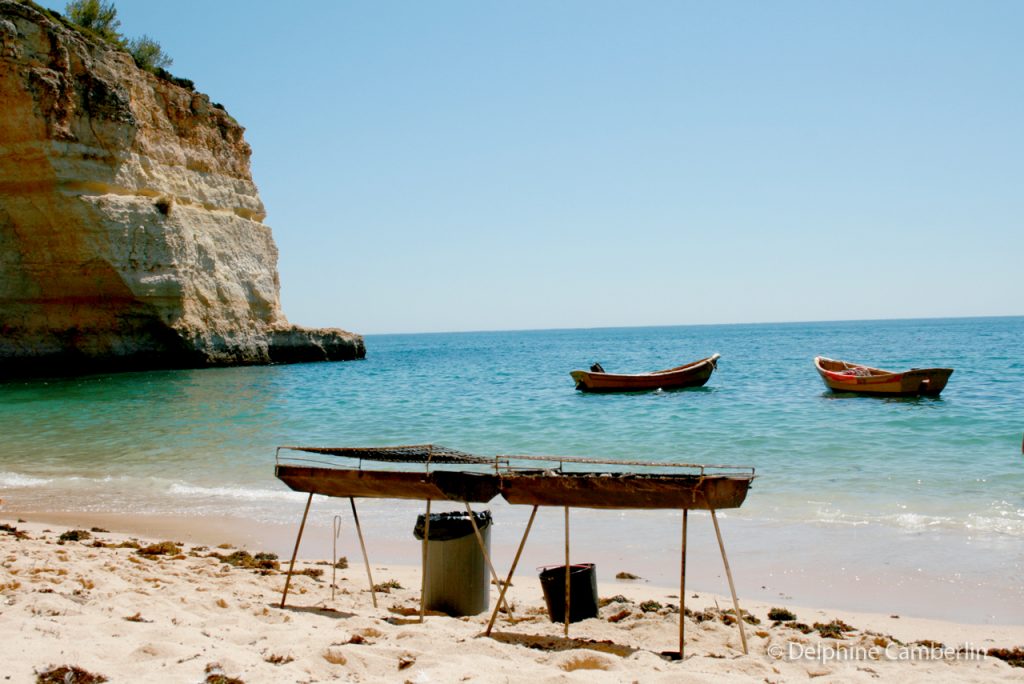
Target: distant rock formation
(131, 233)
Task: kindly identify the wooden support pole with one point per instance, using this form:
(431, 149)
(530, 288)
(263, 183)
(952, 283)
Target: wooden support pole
(362, 545)
(512, 570)
(483, 549)
(567, 571)
(295, 552)
(423, 580)
(732, 587)
(682, 587)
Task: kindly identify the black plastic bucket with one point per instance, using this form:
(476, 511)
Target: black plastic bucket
(582, 591)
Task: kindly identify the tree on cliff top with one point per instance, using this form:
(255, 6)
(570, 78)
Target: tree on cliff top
(148, 54)
(97, 16)
(101, 19)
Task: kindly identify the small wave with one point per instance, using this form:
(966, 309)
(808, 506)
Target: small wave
(1010, 526)
(834, 516)
(918, 521)
(17, 480)
(998, 524)
(232, 493)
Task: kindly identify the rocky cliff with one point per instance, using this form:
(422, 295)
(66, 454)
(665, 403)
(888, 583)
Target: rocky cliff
(131, 233)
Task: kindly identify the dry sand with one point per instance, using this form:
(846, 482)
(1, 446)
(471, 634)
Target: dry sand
(189, 617)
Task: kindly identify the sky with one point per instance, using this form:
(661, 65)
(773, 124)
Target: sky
(476, 165)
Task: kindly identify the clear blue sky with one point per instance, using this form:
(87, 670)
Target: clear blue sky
(481, 165)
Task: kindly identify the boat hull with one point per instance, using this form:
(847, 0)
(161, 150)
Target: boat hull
(694, 374)
(383, 484)
(919, 382)
(626, 491)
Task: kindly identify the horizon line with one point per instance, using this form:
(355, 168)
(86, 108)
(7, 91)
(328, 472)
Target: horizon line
(692, 325)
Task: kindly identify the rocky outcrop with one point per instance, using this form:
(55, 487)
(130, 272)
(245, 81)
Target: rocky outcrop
(131, 233)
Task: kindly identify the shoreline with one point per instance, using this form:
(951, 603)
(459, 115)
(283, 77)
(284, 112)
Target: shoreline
(75, 604)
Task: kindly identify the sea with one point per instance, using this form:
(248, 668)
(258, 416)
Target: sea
(901, 505)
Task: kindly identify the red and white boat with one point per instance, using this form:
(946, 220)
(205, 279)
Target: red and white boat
(843, 376)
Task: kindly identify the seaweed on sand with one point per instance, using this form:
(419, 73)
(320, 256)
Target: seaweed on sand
(277, 659)
(68, 674)
(781, 615)
(386, 587)
(243, 559)
(74, 536)
(834, 629)
(166, 548)
(705, 615)
(729, 617)
(650, 606)
(618, 598)
(136, 618)
(215, 675)
(14, 531)
(1014, 657)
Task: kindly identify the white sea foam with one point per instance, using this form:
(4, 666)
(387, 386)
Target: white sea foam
(1000, 522)
(835, 516)
(243, 493)
(18, 480)
(1002, 525)
(918, 521)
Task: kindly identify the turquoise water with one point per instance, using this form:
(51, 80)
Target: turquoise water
(202, 442)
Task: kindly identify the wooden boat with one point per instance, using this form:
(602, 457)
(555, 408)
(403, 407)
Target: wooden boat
(626, 490)
(690, 375)
(842, 376)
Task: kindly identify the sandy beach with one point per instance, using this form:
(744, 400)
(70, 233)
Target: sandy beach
(249, 271)
(180, 612)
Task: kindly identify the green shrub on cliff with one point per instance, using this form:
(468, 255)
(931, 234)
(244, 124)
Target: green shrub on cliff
(96, 16)
(148, 54)
(98, 19)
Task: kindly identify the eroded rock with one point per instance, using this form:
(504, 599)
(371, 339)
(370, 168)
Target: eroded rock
(131, 232)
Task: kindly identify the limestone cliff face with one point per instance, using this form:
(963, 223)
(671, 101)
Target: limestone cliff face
(131, 233)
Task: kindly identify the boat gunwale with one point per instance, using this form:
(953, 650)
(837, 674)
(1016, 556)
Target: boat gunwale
(649, 374)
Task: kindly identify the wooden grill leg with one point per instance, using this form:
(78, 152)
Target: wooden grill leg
(732, 586)
(682, 587)
(567, 571)
(508, 580)
(423, 580)
(295, 552)
(362, 545)
(487, 557)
